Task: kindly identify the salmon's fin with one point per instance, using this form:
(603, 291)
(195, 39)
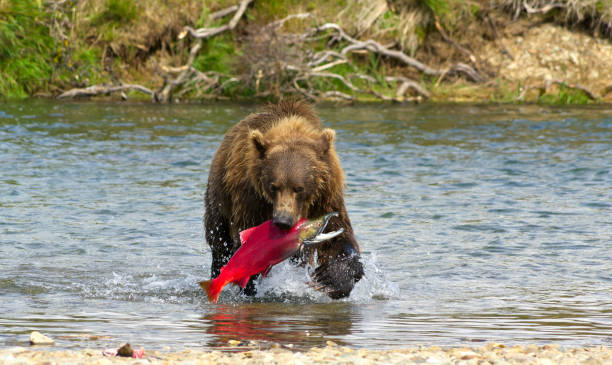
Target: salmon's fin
(244, 235)
(243, 282)
(266, 271)
(212, 289)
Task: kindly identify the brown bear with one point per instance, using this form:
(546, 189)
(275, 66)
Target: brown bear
(281, 164)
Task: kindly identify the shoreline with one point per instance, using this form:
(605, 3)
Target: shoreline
(356, 51)
(494, 353)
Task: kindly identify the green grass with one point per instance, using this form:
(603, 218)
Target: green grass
(217, 54)
(116, 12)
(440, 8)
(26, 48)
(565, 96)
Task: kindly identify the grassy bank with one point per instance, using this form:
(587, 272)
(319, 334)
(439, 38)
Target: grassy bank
(48, 47)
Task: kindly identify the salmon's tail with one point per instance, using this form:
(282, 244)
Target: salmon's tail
(212, 289)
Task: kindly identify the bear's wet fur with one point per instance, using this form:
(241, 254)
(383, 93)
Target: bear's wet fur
(281, 164)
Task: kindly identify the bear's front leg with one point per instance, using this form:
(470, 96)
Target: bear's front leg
(338, 275)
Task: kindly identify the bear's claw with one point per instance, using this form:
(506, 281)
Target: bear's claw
(337, 277)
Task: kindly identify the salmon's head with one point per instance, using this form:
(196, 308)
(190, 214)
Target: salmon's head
(311, 231)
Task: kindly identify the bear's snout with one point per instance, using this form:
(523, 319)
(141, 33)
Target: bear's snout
(283, 221)
(285, 213)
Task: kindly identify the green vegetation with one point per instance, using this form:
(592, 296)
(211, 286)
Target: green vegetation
(116, 12)
(217, 54)
(26, 48)
(565, 95)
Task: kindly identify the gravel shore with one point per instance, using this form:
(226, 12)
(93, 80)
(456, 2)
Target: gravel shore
(492, 353)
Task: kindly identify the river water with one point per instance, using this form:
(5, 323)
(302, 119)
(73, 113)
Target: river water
(477, 223)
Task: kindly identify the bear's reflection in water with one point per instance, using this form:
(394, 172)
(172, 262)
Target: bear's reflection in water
(303, 325)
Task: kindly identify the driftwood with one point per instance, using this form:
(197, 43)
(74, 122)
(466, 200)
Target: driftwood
(104, 90)
(543, 88)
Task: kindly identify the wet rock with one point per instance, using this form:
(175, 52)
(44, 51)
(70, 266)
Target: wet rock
(125, 351)
(37, 338)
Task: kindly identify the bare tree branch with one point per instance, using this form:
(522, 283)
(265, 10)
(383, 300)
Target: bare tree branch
(223, 12)
(545, 9)
(279, 23)
(373, 46)
(329, 65)
(408, 84)
(322, 56)
(334, 76)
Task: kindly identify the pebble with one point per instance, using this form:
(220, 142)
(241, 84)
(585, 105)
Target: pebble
(37, 338)
(494, 353)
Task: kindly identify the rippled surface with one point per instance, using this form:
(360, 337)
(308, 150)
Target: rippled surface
(478, 223)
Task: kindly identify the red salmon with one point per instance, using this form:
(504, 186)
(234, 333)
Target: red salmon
(263, 247)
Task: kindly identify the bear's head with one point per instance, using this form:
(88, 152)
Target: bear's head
(292, 166)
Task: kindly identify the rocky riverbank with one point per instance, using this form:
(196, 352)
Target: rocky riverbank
(492, 353)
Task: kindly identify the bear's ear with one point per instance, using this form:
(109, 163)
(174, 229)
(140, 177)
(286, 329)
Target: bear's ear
(259, 142)
(327, 140)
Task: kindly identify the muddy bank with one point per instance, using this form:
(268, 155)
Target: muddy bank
(492, 353)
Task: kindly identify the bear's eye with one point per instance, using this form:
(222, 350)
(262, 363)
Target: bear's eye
(273, 188)
(298, 189)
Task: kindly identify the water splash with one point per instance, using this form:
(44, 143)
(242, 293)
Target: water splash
(290, 283)
(148, 288)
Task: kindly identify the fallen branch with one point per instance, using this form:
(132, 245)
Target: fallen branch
(279, 23)
(203, 33)
(223, 12)
(376, 47)
(322, 56)
(543, 10)
(336, 95)
(329, 65)
(334, 76)
(543, 88)
(104, 90)
(407, 84)
(373, 46)
(164, 95)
